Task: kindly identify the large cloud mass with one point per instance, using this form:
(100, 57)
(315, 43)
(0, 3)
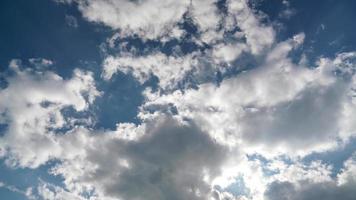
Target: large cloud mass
(231, 119)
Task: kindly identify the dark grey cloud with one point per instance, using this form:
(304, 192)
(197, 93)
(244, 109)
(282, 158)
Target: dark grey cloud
(281, 106)
(170, 161)
(310, 118)
(311, 191)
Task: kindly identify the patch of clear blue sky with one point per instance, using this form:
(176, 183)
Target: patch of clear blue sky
(335, 158)
(329, 25)
(24, 178)
(39, 29)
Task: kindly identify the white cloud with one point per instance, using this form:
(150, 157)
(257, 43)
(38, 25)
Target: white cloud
(227, 52)
(308, 188)
(148, 18)
(190, 143)
(258, 36)
(172, 160)
(48, 191)
(153, 19)
(167, 158)
(31, 106)
(348, 173)
(159, 159)
(279, 105)
(207, 18)
(170, 70)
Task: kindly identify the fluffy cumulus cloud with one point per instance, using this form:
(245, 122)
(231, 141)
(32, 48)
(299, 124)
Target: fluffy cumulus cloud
(150, 161)
(252, 37)
(148, 18)
(169, 70)
(31, 106)
(342, 187)
(152, 19)
(171, 160)
(210, 129)
(277, 105)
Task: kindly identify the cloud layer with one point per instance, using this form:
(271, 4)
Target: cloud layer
(231, 119)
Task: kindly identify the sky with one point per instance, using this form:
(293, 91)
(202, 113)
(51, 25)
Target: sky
(177, 100)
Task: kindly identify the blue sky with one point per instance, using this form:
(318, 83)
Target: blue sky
(151, 99)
